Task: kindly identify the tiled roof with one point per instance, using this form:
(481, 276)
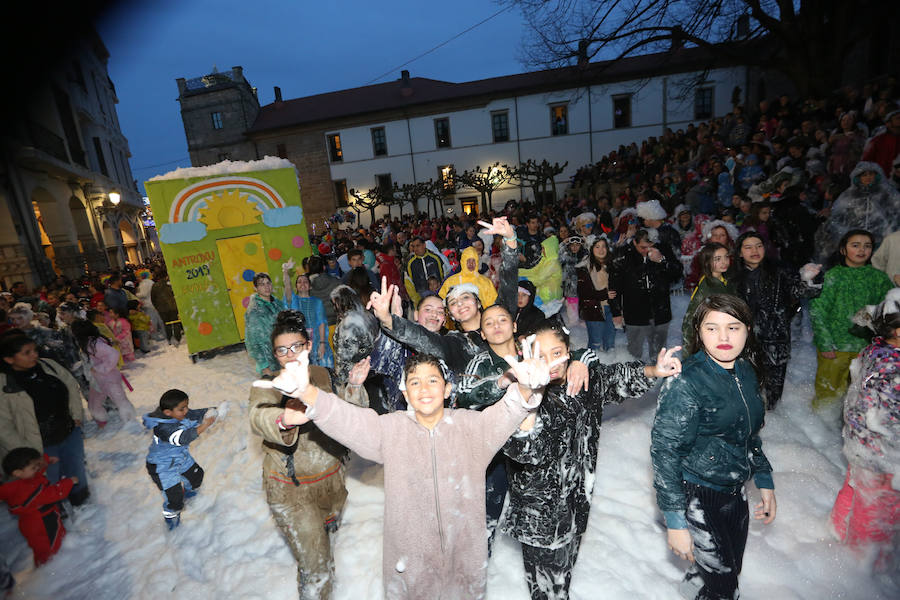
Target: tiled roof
(420, 91)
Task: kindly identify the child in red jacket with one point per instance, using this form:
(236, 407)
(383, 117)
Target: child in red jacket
(35, 501)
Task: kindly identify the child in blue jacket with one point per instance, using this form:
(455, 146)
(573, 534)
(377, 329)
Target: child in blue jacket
(169, 463)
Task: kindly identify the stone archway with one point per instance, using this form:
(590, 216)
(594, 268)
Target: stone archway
(129, 241)
(59, 233)
(110, 244)
(86, 238)
(44, 206)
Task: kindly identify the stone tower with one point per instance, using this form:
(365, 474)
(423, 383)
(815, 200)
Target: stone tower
(217, 109)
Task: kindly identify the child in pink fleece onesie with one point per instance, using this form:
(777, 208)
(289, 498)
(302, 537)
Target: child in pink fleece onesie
(435, 542)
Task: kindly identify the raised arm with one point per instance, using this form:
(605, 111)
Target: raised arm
(357, 428)
(507, 293)
(286, 276)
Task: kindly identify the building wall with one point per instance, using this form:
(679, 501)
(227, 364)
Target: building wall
(656, 103)
(306, 149)
(52, 168)
(232, 98)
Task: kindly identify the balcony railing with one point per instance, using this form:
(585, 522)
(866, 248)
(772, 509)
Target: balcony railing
(45, 140)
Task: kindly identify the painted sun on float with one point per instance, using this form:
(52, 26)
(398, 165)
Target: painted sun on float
(229, 209)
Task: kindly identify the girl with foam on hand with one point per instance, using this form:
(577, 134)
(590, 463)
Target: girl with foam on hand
(553, 457)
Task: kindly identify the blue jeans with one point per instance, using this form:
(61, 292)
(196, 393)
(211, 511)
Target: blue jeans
(70, 453)
(602, 334)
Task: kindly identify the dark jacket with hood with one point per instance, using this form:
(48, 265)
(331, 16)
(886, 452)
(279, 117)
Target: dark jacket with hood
(643, 285)
(875, 208)
(529, 316)
(773, 294)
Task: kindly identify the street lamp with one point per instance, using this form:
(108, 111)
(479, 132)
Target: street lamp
(114, 216)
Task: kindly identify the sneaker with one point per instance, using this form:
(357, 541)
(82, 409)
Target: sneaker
(173, 522)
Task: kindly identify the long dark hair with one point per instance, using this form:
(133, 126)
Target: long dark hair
(344, 299)
(740, 310)
(753, 219)
(358, 280)
(86, 334)
(707, 253)
(738, 272)
(595, 264)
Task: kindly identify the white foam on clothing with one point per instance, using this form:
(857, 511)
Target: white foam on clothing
(228, 545)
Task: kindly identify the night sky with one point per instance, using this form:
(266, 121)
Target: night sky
(303, 47)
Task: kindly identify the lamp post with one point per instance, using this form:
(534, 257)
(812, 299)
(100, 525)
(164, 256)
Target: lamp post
(115, 215)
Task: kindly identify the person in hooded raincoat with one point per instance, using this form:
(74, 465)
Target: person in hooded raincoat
(870, 203)
(468, 273)
(547, 274)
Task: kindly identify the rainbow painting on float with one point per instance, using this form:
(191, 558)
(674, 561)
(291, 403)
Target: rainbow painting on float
(218, 227)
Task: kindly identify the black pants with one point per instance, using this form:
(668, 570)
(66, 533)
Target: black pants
(495, 487)
(549, 572)
(718, 524)
(175, 494)
(774, 384)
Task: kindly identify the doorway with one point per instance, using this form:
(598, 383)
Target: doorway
(469, 206)
(241, 259)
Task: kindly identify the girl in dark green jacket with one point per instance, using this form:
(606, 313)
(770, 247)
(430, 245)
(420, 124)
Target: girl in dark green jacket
(714, 261)
(705, 445)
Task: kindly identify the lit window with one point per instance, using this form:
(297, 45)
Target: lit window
(559, 119)
(621, 111)
(442, 132)
(334, 147)
(379, 141)
(446, 174)
(217, 120)
(500, 126)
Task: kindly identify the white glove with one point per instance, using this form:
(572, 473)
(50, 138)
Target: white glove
(293, 379)
(532, 371)
(809, 271)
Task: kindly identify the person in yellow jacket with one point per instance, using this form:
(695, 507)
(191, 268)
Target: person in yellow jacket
(468, 273)
(547, 274)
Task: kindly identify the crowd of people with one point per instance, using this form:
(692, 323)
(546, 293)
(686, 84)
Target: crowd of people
(441, 348)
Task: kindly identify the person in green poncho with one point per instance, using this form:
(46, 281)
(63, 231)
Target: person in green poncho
(258, 320)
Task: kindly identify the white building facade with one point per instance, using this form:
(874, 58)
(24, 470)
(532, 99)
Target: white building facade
(575, 125)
